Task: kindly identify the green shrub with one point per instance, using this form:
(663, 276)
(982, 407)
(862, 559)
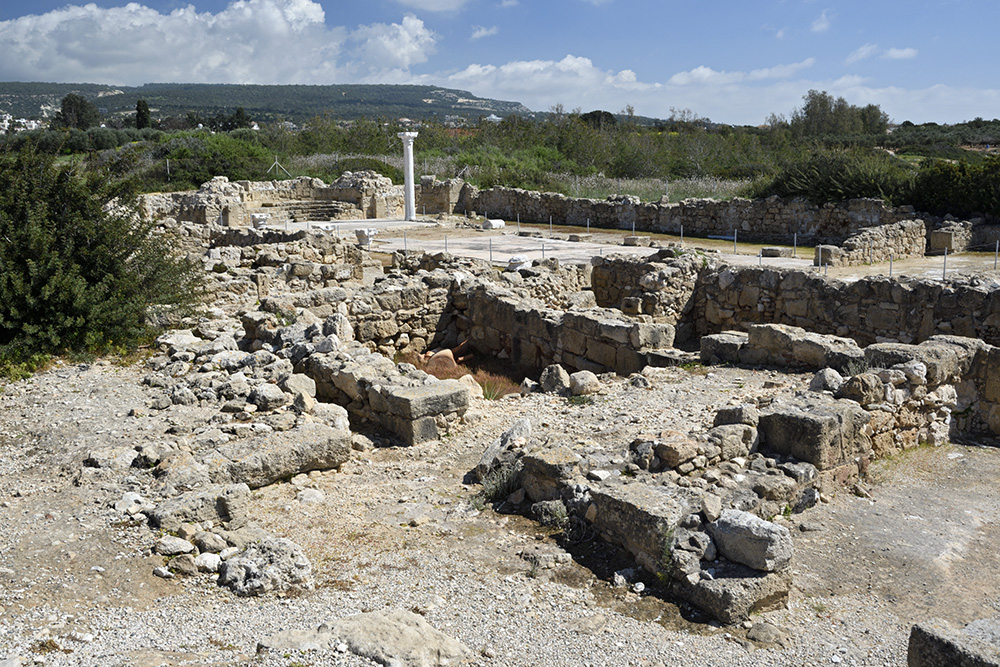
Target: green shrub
(959, 188)
(78, 268)
(831, 176)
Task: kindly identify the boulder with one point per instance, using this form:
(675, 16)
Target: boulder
(503, 450)
(583, 383)
(219, 503)
(268, 397)
(745, 538)
(554, 379)
(733, 592)
(272, 565)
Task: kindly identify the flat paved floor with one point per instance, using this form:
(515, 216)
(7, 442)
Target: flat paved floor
(499, 246)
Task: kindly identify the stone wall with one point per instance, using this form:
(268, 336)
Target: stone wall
(354, 195)
(869, 310)
(769, 220)
(897, 240)
(532, 336)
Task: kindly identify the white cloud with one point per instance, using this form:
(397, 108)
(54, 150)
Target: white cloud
(822, 23)
(250, 41)
(708, 76)
(386, 46)
(862, 53)
(900, 54)
(478, 31)
(435, 5)
(507, 4)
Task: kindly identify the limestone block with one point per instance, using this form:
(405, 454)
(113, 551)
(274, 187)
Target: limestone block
(817, 429)
(747, 539)
(735, 591)
(641, 517)
(737, 414)
(220, 503)
(258, 462)
(865, 388)
(734, 440)
(677, 450)
(935, 643)
(429, 399)
(649, 335)
(723, 347)
(545, 472)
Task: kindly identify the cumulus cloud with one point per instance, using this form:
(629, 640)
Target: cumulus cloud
(707, 75)
(862, 53)
(822, 23)
(394, 45)
(250, 41)
(507, 4)
(435, 5)
(900, 54)
(478, 31)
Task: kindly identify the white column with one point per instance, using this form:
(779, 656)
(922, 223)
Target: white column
(409, 198)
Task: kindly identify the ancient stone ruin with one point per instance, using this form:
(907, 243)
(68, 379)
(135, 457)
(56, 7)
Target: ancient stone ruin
(302, 349)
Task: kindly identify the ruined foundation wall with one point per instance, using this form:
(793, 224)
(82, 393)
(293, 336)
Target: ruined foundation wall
(771, 219)
(868, 310)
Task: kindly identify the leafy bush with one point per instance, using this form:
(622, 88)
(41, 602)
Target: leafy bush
(960, 188)
(78, 268)
(831, 176)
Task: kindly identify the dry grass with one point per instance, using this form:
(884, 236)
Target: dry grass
(487, 372)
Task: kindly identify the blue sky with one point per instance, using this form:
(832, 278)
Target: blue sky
(734, 61)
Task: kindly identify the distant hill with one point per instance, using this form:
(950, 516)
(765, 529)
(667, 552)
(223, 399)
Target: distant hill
(295, 103)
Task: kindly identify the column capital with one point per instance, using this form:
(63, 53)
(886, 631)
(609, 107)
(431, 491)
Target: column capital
(407, 136)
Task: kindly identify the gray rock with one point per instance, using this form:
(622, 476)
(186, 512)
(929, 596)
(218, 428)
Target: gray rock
(220, 503)
(763, 632)
(171, 545)
(734, 592)
(209, 542)
(264, 460)
(737, 414)
(184, 565)
(268, 397)
(583, 383)
(208, 562)
(502, 450)
(393, 637)
(745, 538)
(935, 643)
(554, 379)
(817, 429)
(272, 565)
(827, 380)
(297, 383)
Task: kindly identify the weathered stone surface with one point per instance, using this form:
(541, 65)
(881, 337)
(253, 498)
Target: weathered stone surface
(222, 503)
(827, 380)
(554, 378)
(272, 565)
(935, 643)
(745, 538)
(734, 439)
(865, 388)
(737, 414)
(264, 460)
(391, 637)
(735, 592)
(429, 399)
(723, 348)
(268, 397)
(583, 383)
(640, 517)
(503, 450)
(817, 429)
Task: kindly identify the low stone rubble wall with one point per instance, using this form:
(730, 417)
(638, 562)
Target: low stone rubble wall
(898, 240)
(232, 204)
